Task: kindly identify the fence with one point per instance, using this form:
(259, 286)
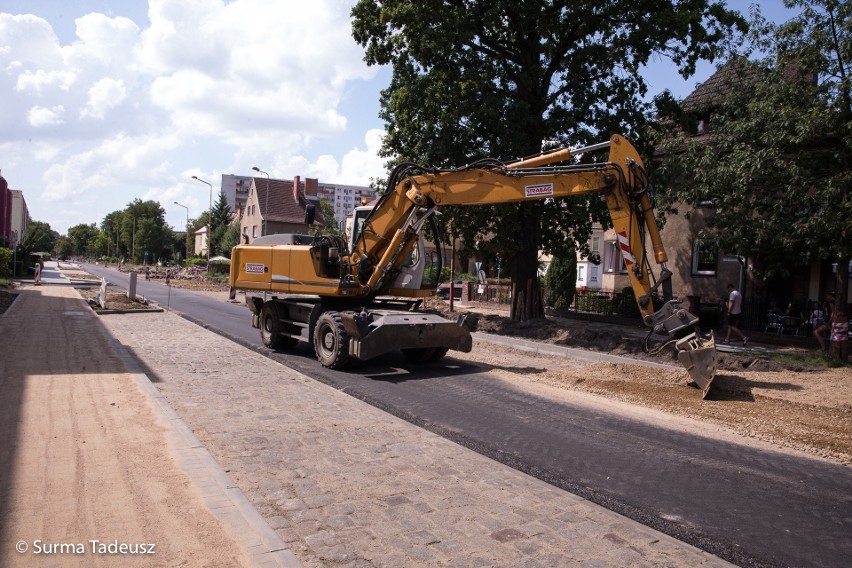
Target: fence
(758, 315)
(798, 318)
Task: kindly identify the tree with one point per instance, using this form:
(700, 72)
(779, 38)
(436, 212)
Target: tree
(220, 220)
(143, 229)
(100, 246)
(779, 168)
(81, 235)
(40, 238)
(497, 78)
(231, 238)
(329, 226)
(561, 277)
(64, 247)
(111, 227)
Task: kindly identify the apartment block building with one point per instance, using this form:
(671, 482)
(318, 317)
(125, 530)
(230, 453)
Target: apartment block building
(236, 190)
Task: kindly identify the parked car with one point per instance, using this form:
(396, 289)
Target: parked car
(443, 290)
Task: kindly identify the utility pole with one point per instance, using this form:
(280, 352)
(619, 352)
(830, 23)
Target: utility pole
(209, 217)
(266, 205)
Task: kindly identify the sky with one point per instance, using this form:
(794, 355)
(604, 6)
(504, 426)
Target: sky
(107, 101)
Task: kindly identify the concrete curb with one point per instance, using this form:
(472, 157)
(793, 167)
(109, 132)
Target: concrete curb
(560, 351)
(140, 311)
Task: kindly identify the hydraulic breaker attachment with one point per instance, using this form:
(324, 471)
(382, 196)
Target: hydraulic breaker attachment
(698, 356)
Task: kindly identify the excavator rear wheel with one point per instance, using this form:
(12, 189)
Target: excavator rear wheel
(331, 342)
(270, 328)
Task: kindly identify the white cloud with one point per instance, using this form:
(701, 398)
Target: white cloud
(41, 116)
(221, 86)
(41, 80)
(103, 96)
(118, 161)
(365, 165)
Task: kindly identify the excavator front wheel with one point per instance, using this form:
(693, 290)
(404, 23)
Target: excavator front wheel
(331, 342)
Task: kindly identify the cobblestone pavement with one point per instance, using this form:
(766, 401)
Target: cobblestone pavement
(345, 484)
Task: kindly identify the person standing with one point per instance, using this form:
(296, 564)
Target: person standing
(838, 330)
(735, 308)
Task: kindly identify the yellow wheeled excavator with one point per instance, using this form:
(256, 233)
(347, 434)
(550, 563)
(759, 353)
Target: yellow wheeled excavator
(362, 297)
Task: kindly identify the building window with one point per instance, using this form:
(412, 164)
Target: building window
(593, 273)
(596, 244)
(581, 274)
(254, 231)
(705, 255)
(611, 256)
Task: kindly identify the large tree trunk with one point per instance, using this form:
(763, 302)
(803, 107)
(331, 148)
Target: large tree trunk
(527, 303)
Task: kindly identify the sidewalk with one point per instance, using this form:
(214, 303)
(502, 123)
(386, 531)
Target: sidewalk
(91, 466)
(340, 482)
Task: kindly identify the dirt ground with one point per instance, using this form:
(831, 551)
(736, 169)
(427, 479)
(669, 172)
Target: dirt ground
(7, 296)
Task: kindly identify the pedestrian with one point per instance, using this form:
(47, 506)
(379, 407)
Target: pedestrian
(735, 308)
(818, 316)
(838, 328)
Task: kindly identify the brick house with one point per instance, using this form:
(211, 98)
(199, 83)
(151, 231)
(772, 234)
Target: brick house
(280, 204)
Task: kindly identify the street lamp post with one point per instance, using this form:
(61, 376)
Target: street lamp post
(265, 205)
(209, 216)
(186, 227)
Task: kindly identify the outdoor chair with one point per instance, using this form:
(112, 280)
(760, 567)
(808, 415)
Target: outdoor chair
(775, 323)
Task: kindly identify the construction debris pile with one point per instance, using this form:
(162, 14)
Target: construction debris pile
(193, 277)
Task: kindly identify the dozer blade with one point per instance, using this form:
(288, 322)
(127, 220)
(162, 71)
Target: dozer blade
(698, 356)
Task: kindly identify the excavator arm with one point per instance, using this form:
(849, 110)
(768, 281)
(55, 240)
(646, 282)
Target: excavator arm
(396, 223)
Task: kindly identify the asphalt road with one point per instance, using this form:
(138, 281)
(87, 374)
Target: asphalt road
(749, 506)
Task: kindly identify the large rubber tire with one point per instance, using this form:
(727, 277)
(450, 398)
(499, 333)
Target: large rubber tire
(331, 342)
(270, 328)
(419, 354)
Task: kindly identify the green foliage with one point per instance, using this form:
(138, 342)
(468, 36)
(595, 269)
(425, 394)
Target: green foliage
(142, 227)
(82, 237)
(561, 277)
(497, 78)
(64, 247)
(100, 246)
(5, 263)
(220, 220)
(779, 169)
(330, 226)
(231, 238)
(40, 238)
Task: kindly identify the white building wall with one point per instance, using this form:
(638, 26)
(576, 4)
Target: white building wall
(20, 215)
